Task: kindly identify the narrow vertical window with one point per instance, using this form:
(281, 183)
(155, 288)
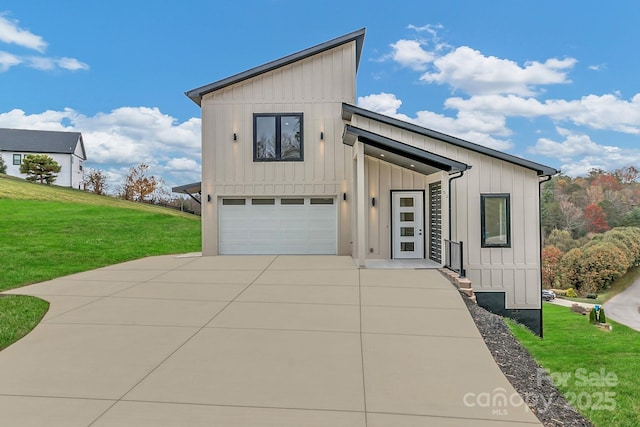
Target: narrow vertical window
(17, 159)
(495, 218)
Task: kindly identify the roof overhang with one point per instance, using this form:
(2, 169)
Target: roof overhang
(192, 188)
(349, 110)
(357, 36)
(401, 154)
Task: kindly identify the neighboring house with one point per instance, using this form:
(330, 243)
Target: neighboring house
(66, 148)
(291, 166)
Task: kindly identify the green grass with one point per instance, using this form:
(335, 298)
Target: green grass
(19, 314)
(616, 287)
(571, 343)
(48, 232)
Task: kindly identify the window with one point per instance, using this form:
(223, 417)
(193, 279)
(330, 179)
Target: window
(277, 137)
(234, 202)
(17, 159)
(263, 201)
(321, 201)
(495, 218)
(292, 201)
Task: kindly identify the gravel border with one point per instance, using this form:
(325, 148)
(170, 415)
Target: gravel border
(523, 372)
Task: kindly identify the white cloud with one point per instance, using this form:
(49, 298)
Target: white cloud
(71, 64)
(12, 34)
(182, 164)
(469, 70)
(8, 60)
(125, 137)
(580, 153)
(383, 103)
(475, 128)
(574, 146)
(409, 53)
(603, 112)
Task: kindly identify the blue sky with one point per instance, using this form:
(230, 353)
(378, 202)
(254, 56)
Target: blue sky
(555, 82)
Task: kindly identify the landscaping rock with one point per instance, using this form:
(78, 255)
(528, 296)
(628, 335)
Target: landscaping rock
(524, 373)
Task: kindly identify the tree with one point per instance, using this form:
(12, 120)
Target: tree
(40, 167)
(632, 218)
(140, 186)
(95, 181)
(3, 165)
(596, 219)
(569, 269)
(573, 216)
(627, 174)
(600, 265)
(550, 258)
(562, 240)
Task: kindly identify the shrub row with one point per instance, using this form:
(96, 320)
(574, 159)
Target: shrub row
(595, 265)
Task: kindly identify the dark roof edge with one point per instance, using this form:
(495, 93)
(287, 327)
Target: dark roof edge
(194, 187)
(84, 152)
(401, 148)
(348, 110)
(357, 36)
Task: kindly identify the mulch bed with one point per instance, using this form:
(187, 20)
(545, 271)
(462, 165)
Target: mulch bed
(524, 373)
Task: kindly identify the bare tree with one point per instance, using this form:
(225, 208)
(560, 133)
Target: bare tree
(95, 181)
(140, 186)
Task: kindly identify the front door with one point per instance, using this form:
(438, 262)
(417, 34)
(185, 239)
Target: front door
(408, 224)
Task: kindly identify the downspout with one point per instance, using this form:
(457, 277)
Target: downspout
(462, 271)
(449, 192)
(540, 182)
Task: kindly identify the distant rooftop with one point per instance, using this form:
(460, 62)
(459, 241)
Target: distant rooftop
(40, 141)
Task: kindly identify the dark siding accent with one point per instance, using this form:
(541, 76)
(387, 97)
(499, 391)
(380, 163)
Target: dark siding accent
(494, 302)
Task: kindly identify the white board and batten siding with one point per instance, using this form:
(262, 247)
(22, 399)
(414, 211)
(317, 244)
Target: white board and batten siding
(316, 87)
(514, 270)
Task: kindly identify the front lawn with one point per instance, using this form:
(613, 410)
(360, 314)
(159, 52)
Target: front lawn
(41, 240)
(598, 371)
(18, 315)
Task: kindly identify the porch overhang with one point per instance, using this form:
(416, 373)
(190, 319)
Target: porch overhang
(189, 189)
(401, 154)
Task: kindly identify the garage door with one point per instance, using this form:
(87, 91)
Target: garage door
(291, 225)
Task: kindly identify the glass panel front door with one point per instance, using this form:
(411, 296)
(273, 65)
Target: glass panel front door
(408, 224)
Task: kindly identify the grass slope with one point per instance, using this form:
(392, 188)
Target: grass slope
(598, 371)
(48, 232)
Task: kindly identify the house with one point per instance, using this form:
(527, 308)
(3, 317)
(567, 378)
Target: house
(292, 166)
(66, 148)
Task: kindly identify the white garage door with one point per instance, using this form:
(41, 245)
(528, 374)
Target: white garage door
(286, 225)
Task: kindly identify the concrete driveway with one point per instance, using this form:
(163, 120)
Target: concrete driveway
(254, 341)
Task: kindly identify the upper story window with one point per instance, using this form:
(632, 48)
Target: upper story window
(17, 159)
(495, 218)
(277, 137)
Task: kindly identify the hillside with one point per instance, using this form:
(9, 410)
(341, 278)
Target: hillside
(49, 231)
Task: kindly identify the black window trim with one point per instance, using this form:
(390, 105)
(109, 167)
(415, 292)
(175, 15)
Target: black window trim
(277, 116)
(19, 157)
(483, 197)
